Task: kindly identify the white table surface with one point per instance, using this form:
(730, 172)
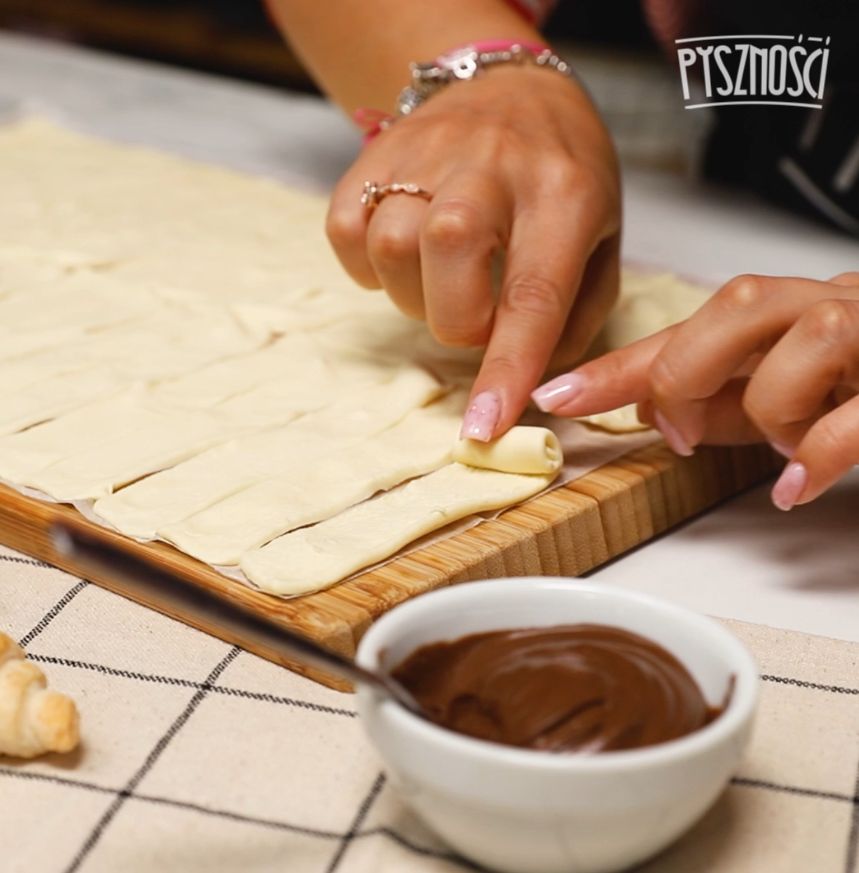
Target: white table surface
(743, 560)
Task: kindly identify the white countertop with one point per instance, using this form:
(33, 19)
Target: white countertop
(743, 560)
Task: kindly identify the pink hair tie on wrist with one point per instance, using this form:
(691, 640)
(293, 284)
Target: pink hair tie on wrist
(371, 121)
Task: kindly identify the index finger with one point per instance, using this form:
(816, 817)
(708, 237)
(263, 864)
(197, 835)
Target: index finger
(547, 255)
(615, 379)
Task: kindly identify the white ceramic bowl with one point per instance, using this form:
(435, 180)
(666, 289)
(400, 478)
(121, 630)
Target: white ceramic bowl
(526, 811)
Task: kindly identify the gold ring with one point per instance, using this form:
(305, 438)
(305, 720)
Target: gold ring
(374, 193)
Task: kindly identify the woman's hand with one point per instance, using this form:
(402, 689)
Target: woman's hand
(766, 358)
(518, 162)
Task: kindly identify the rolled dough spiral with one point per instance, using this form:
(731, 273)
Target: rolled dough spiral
(533, 450)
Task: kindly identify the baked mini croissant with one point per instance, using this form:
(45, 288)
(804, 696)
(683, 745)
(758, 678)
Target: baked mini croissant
(33, 720)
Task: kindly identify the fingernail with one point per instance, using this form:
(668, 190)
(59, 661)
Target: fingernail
(672, 436)
(782, 448)
(482, 417)
(790, 486)
(555, 393)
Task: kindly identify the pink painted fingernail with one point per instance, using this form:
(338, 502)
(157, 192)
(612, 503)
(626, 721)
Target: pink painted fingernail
(790, 486)
(555, 393)
(672, 436)
(482, 417)
(783, 448)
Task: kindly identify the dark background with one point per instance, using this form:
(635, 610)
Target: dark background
(234, 37)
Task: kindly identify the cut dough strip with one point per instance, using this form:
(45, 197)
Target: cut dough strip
(315, 557)
(104, 457)
(522, 449)
(23, 266)
(308, 491)
(55, 396)
(152, 348)
(147, 440)
(225, 379)
(17, 344)
(177, 493)
(63, 371)
(78, 302)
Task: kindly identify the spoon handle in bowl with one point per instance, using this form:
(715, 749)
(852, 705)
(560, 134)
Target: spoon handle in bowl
(155, 585)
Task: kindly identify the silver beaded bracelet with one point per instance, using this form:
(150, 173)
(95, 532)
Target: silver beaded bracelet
(466, 63)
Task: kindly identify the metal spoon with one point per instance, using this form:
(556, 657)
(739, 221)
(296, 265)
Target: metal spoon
(156, 585)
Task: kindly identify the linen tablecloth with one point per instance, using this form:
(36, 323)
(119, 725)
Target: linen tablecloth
(199, 756)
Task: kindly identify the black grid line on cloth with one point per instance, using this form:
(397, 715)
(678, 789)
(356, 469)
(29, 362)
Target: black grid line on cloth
(53, 612)
(56, 780)
(814, 686)
(161, 679)
(456, 860)
(850, 859)
(321, 707)
(178, 804)
(151, 758)
(30, 562)
(287, 701)
(379, 831)
(360, 815)
(742, 782)
(273, 824)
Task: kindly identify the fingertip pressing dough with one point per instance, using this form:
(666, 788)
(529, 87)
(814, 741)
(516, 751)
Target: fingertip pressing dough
(529, 450)
(33, 718)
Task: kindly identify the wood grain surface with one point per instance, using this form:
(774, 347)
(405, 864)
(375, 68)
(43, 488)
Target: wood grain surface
(565, 532)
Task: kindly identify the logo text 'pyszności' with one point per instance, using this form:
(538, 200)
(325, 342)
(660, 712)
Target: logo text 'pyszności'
(755, 69)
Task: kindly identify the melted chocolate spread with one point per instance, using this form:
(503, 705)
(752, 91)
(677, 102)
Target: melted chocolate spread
(570, 688)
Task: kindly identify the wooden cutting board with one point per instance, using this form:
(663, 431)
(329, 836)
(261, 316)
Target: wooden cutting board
(565, 532)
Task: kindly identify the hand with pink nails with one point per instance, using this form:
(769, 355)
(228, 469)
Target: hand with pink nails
(765, 359)
(522, 173)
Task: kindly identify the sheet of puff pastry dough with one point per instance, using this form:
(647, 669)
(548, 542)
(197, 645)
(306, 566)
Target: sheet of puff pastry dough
(649, 302)
(315, 557)
(174, 494)
(152, 215)
(304, 493)
(332, 336)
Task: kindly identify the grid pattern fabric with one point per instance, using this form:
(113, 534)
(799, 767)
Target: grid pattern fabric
(199, 756)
